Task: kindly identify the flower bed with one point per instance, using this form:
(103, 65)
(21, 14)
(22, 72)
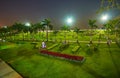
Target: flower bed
(65, 56)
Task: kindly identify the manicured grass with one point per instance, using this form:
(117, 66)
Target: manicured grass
(26, 60)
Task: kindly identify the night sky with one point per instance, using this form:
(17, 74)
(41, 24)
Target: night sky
(57, 11)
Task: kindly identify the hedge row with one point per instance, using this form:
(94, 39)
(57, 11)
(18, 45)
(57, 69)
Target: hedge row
(52, 46)
(75, 48)
(63, 46)
(65, 56)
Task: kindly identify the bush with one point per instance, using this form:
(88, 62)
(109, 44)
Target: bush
(96, 47)
(63, 46)
(75, 48)
(52, 46)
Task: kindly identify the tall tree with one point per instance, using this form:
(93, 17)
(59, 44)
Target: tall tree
(55, 33)
(113, 26)
(33, 30)
(4, 31)
(17, 28)
(46, 23)
(108, 28)
(76, 29)
(38, 27)
(65, 28)
(92, 26)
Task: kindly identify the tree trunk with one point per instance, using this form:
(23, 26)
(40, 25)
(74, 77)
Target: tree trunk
(39, 32)
(91, 37)
(23, 36)
(65, 36)
(47, 33)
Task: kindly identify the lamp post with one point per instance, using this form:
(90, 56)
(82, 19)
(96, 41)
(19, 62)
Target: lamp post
(69, 22)
(28, 25)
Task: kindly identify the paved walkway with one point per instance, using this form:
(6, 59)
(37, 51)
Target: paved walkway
(7, 72)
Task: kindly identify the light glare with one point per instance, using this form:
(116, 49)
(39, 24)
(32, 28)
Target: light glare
(27, 24)
(104, 17)
(69, 20)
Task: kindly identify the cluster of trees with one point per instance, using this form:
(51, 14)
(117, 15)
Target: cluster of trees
(45, 25)
(113, 26)
(22, 28)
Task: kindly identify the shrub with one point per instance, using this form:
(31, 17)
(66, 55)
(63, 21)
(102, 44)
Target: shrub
(96, 47)
(75, 48)
(63, 46)
(52, 46)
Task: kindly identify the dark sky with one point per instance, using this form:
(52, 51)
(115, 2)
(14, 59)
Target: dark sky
(56, 10)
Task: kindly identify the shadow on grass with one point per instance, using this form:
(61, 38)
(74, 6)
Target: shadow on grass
(81, 65)
(116, 67)
(91, 71)
(48, 68)
(26, 51)
(87, 69)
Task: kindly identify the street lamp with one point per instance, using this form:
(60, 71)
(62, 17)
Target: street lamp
(5, 26)
(69, 21)
(104, 17)
(27, 24)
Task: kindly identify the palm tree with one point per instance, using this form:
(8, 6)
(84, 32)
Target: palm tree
(46, 23)
(25, 29)
(55, 33)
(1, 32)
(65, 28)
(32, 30)
(115, 26)
(9, 28)
(38, 27)
(92, 26)
(76, 29)
(108, 28)
(17, 28)
(4, 31)
(117, 29)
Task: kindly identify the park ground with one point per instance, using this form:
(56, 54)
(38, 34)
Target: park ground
(26, 59)
(22, 53)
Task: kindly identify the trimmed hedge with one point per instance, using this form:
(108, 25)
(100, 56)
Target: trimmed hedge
(65, 56)
(75, 48)
(63, 46)
(52, 46)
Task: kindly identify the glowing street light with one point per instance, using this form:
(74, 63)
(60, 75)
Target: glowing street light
(5, 26)
(69, 21)
(104, 17)
(27, 24)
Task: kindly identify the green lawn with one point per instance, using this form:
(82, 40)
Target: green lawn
(27, 60)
